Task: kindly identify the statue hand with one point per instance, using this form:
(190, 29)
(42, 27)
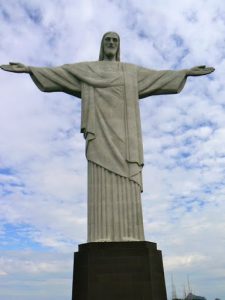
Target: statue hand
(200, 70)
(15, 67)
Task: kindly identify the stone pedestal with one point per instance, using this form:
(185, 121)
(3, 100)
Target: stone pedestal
(118, 271)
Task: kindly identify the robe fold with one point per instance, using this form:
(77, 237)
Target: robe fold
(111, 125)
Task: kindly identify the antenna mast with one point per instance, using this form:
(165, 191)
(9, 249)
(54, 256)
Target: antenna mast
(174, 293)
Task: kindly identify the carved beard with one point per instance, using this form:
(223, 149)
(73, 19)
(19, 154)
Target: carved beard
(110, 51)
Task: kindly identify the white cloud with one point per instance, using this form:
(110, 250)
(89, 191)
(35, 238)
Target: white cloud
(184, 261)
(43, 178)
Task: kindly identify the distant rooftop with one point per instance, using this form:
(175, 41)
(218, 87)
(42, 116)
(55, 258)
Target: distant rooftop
(191, 296)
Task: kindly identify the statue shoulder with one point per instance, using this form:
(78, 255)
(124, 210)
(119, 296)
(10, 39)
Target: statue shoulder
(79, 64)
(129, 67)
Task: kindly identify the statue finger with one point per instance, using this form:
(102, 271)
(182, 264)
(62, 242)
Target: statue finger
(13, 63)
(6, 67)
(211, 69)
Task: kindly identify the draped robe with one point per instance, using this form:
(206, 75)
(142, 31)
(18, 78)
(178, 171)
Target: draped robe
(111, 125)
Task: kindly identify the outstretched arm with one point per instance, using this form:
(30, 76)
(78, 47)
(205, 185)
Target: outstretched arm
(56, 79)
(151, 82)
(15, 67)
(200, 70)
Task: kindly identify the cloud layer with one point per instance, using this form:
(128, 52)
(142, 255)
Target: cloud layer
(42, 161)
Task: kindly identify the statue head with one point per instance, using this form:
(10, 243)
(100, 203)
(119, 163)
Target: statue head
(110, 47)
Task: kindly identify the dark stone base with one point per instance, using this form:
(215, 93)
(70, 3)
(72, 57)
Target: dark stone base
(118, 271)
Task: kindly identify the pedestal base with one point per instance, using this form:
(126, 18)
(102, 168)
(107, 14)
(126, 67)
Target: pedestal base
(118, 271)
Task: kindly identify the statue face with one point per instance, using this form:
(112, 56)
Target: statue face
(110, 44)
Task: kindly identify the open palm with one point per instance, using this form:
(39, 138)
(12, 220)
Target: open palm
(200, 70)
(15, 67)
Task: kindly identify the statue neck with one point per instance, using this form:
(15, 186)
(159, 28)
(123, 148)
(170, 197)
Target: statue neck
(109, 58)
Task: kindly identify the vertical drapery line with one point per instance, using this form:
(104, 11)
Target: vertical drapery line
(99, 202)
(91, 206)
(103, 215)
(89, 211)
(127, 201)
(139, 217)
(95, 204)
(112, 204)
(133, 214)
(114, 207)
(125, 216)
(109, 208)
(120, 207)
(136, 215)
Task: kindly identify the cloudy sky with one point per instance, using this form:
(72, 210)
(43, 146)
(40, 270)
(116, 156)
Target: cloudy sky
(42, 162)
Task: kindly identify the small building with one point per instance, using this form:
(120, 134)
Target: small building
(191, 296)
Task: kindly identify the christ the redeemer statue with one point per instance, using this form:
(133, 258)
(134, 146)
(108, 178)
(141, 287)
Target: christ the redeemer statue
(111, 125)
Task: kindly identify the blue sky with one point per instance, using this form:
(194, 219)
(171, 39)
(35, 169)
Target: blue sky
(42, 162)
